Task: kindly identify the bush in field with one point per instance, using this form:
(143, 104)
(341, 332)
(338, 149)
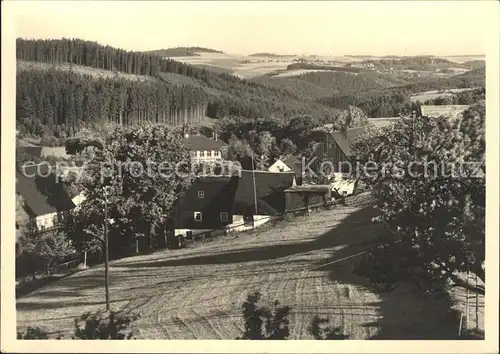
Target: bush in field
(33, 333)
(101, 325)
(321, 331)
(264, 323)
(104, 325)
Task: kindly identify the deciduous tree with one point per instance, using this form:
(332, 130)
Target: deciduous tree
(428, 176)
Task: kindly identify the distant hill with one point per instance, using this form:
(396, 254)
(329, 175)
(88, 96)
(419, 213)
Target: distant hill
(182, 51)
(389, 102)
(271, 55)
(474, 64)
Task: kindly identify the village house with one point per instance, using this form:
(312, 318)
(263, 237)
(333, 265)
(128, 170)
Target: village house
(206, 205)
(260, 198)
(228, 203)
(333, 151)
(287, 164)
(43, 203)
(203, 149)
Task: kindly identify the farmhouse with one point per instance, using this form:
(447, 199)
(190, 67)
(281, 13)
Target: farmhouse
(206, 205)
(287, 164)
(229, 202)
(333, 152)
(204, 149)
(43, 199)
(260, 198)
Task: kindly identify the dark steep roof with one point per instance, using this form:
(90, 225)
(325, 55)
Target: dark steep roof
(290, 160)
(270, 189)
(201, 142)
(345, 138)
(42, 195)
(31, 151)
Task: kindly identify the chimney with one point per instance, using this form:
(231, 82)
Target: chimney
(215, 136)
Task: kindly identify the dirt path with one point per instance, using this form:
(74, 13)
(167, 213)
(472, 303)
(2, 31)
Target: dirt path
(197, 292)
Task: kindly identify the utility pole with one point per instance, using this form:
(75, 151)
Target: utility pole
(477, 307)
(254, 187)
(467, 303)
(106, 249)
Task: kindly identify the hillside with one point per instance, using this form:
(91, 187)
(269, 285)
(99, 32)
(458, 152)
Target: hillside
(131, 88)
(319, 84)
(182, 51)
(474, 64)
(392, 101)
(197, 292)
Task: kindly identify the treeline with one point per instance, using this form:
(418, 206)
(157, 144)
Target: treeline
(228, 94)
(322, 67)
(459, 98)
(54, 102)
(95, 55)
(413, 63)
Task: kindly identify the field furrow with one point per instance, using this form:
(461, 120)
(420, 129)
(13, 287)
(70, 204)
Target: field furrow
(197, 292)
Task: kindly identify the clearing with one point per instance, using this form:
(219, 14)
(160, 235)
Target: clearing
(197, 292)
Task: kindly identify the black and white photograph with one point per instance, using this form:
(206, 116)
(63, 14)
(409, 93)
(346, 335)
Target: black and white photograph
(250, 170)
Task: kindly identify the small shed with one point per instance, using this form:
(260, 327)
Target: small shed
(299, 198)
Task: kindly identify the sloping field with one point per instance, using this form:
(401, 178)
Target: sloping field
(197, 292)
(430, 95)
(84, 70)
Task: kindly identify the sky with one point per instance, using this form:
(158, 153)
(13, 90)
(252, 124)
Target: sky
(281, 27)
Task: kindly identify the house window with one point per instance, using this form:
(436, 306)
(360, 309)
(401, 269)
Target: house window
(209, 153)
(224, 216)
(216, 153)
(201, 194)
(198, 216)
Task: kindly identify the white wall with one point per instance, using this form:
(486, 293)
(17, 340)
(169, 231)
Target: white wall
(200, 156)
(279, 166)
(239, 225)
(46, 220)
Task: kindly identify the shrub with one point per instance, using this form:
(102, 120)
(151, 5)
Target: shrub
(33, 333)
(320, 330)
(104, 325)
(264, 323)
